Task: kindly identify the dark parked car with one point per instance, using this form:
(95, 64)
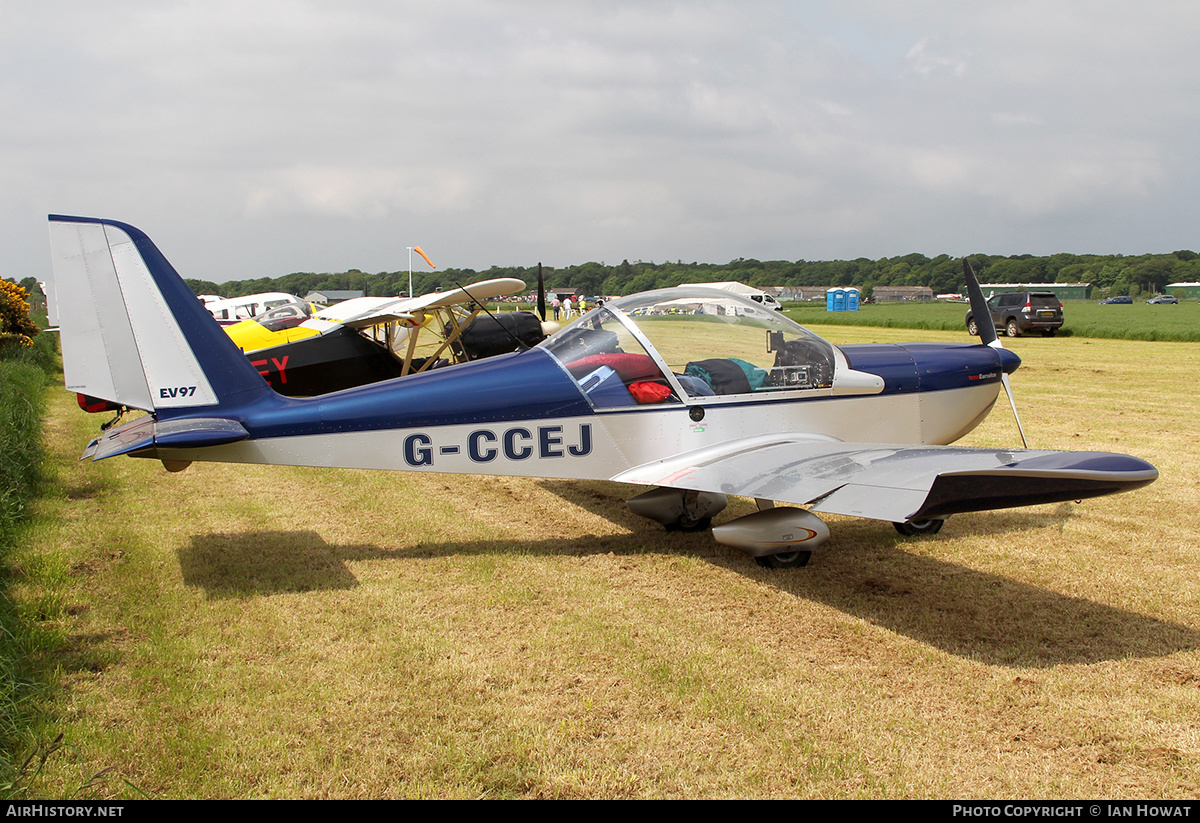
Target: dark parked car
(1016, 312)
(1119, 300)
(1162, 300)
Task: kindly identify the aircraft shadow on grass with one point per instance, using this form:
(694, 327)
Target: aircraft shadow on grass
(964, 611)
(256, 564)
(960, 610)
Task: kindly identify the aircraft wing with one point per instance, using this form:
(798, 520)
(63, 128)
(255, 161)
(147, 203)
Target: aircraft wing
(483, 290)
(362, 312)
(893, 482)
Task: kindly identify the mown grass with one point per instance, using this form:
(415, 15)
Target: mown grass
(1139, 321)
(244, 631)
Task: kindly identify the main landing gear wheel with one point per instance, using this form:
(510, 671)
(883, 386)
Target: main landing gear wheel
(914, 527)
(786, 560)
(685, 525)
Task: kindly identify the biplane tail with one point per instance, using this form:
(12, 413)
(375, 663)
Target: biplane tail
(132, 331)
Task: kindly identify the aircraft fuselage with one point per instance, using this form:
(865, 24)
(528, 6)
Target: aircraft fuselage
(524, 414)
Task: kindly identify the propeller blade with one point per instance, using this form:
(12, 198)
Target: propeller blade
(988, 336)
(979, 307)
(541, 297)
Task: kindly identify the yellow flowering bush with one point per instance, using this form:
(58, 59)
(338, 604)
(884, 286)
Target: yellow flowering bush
(16, 328)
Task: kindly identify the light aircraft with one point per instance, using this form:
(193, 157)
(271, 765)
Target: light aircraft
(302, 353)
(236, 309)
(654, 389)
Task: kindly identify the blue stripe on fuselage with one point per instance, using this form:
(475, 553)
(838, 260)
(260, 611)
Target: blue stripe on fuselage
(531, 385)
(527, 385)
(914, 367)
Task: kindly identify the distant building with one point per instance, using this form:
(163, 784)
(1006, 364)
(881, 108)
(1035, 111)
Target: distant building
(896, 294)
(331, 296)
(1188, 289)
(1063, 291)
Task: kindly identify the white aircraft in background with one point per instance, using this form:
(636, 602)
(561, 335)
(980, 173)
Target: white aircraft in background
(236, 309)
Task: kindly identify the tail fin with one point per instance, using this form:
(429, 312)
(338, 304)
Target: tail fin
(132, 331)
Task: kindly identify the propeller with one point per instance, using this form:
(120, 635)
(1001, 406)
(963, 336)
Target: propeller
(988, 336)
(541, 297)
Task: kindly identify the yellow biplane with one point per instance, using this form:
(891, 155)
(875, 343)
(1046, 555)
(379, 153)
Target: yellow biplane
(302, 352)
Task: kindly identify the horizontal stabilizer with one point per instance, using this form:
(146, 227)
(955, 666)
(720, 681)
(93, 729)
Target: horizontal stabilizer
(133, 436)
(144, 433)
(894, 482)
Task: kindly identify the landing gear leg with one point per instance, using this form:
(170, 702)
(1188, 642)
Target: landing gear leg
(678, 509)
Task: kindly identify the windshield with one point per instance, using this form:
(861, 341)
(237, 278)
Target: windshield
(284, 316)
(700, 342)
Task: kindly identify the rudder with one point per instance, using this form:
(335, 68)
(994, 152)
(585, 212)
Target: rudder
(132, 331)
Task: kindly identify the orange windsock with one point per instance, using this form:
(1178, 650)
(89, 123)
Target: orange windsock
(417, 249)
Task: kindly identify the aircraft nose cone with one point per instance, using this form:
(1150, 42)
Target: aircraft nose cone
(1008, 360)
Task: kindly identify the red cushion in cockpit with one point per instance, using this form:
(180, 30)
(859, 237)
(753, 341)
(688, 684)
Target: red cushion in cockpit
(630, 367)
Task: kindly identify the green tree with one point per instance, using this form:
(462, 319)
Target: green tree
(1155, 273)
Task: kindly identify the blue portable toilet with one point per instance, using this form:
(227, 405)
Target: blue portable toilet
(835, 300)
(851, 299)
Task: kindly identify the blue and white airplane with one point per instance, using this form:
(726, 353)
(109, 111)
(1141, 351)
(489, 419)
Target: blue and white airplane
(696, 392)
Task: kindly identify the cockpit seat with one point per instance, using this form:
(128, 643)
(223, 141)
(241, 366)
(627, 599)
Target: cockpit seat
(728, 375)
(605, 388)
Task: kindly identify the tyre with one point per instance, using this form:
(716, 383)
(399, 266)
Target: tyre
(786, 560)
(1012, 329)
(972, 327)
(701, 525)
(915, 527)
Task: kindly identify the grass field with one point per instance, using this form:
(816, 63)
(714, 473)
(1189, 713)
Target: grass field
(275, 632)
(1082, 318)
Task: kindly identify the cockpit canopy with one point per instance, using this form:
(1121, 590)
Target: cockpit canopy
(286, 316)
(671, 345)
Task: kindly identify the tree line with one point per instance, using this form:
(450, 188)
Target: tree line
(1114, 274)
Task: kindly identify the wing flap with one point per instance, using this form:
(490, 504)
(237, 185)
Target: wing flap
(875, 502)
(894, 482)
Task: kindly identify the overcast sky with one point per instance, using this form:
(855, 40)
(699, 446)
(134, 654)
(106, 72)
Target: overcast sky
(254, 139)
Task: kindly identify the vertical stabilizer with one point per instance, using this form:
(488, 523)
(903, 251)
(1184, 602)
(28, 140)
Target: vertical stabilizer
(132, 331)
